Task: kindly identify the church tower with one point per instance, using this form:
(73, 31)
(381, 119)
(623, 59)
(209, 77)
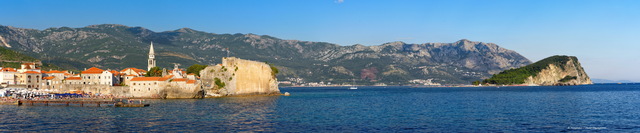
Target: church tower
(152, 58)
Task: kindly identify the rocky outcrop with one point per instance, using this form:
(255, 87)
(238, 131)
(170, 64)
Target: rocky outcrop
(567, 73)
(176, 90)
(239, 77)
(554, 70)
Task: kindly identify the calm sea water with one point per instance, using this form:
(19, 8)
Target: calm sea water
(591, 108)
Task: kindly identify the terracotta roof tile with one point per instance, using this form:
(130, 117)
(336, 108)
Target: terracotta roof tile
(114, 72)
(164, 79)
(74, 78)
(8, 70)
(32, 72)
(93, 70)
(191, 82)
(48, 78)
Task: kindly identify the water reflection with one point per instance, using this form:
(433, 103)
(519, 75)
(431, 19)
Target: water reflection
(181, 115)
(248, 113)
(522, 109)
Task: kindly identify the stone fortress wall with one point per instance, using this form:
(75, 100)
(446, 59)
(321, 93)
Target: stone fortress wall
(239, 77)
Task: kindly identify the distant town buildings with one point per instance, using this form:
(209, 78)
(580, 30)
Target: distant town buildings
(130, 80)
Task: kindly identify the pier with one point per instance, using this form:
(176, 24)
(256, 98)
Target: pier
(120, 103)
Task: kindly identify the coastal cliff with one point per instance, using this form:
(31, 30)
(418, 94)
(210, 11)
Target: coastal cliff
(554, 70)
(239, 77)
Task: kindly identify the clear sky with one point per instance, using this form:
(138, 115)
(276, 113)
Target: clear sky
(603, 34)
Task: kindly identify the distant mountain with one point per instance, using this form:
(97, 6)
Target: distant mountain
(554, 70)
(118, 46)
(13, 59)
(611, 81)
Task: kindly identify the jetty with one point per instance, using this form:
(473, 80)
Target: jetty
(89, 103)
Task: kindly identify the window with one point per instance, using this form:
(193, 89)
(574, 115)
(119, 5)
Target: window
(134, 83)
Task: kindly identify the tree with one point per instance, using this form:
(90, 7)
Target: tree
(274, 69)
(477, 82)
(154, 72)
(195, 69)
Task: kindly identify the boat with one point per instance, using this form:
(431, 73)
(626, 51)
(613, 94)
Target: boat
(354, 86)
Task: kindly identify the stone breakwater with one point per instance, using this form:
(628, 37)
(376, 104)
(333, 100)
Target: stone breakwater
(239, 77)
(571, 73)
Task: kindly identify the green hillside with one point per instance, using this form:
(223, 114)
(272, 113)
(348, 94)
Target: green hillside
(10, 58)
(519, 75)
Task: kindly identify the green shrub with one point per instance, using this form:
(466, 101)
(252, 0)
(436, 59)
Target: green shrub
(567, 78)
(219, 82)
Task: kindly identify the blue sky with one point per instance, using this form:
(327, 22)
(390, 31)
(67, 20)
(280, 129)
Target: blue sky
(601, 33)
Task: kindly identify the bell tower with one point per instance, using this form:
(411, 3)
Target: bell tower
(152, 58)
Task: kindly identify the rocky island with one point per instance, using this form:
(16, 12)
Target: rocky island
(236, 77)
(554, 70)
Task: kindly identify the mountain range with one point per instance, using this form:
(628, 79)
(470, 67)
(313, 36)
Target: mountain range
(112, 46)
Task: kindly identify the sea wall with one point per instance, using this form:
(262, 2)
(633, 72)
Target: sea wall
(553, 75)
(170, 90)
(176, 90)
(120, 91)
(239, 77)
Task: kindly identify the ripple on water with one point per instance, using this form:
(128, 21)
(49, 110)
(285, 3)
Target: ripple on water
(594, 108)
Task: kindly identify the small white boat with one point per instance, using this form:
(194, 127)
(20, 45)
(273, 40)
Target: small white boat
(353, 87)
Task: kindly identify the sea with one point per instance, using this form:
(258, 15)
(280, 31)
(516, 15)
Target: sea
(585, 108)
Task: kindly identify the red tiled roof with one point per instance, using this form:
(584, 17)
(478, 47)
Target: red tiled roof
(32, 72)
(8, 70)
(74, 78)
(163, 79)
(43, 71)
(140, 70)
(48, 78)
(134, 69)
(123, 70)
(114, 72)
(191, 81)
(28, 63)
(93, 70)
